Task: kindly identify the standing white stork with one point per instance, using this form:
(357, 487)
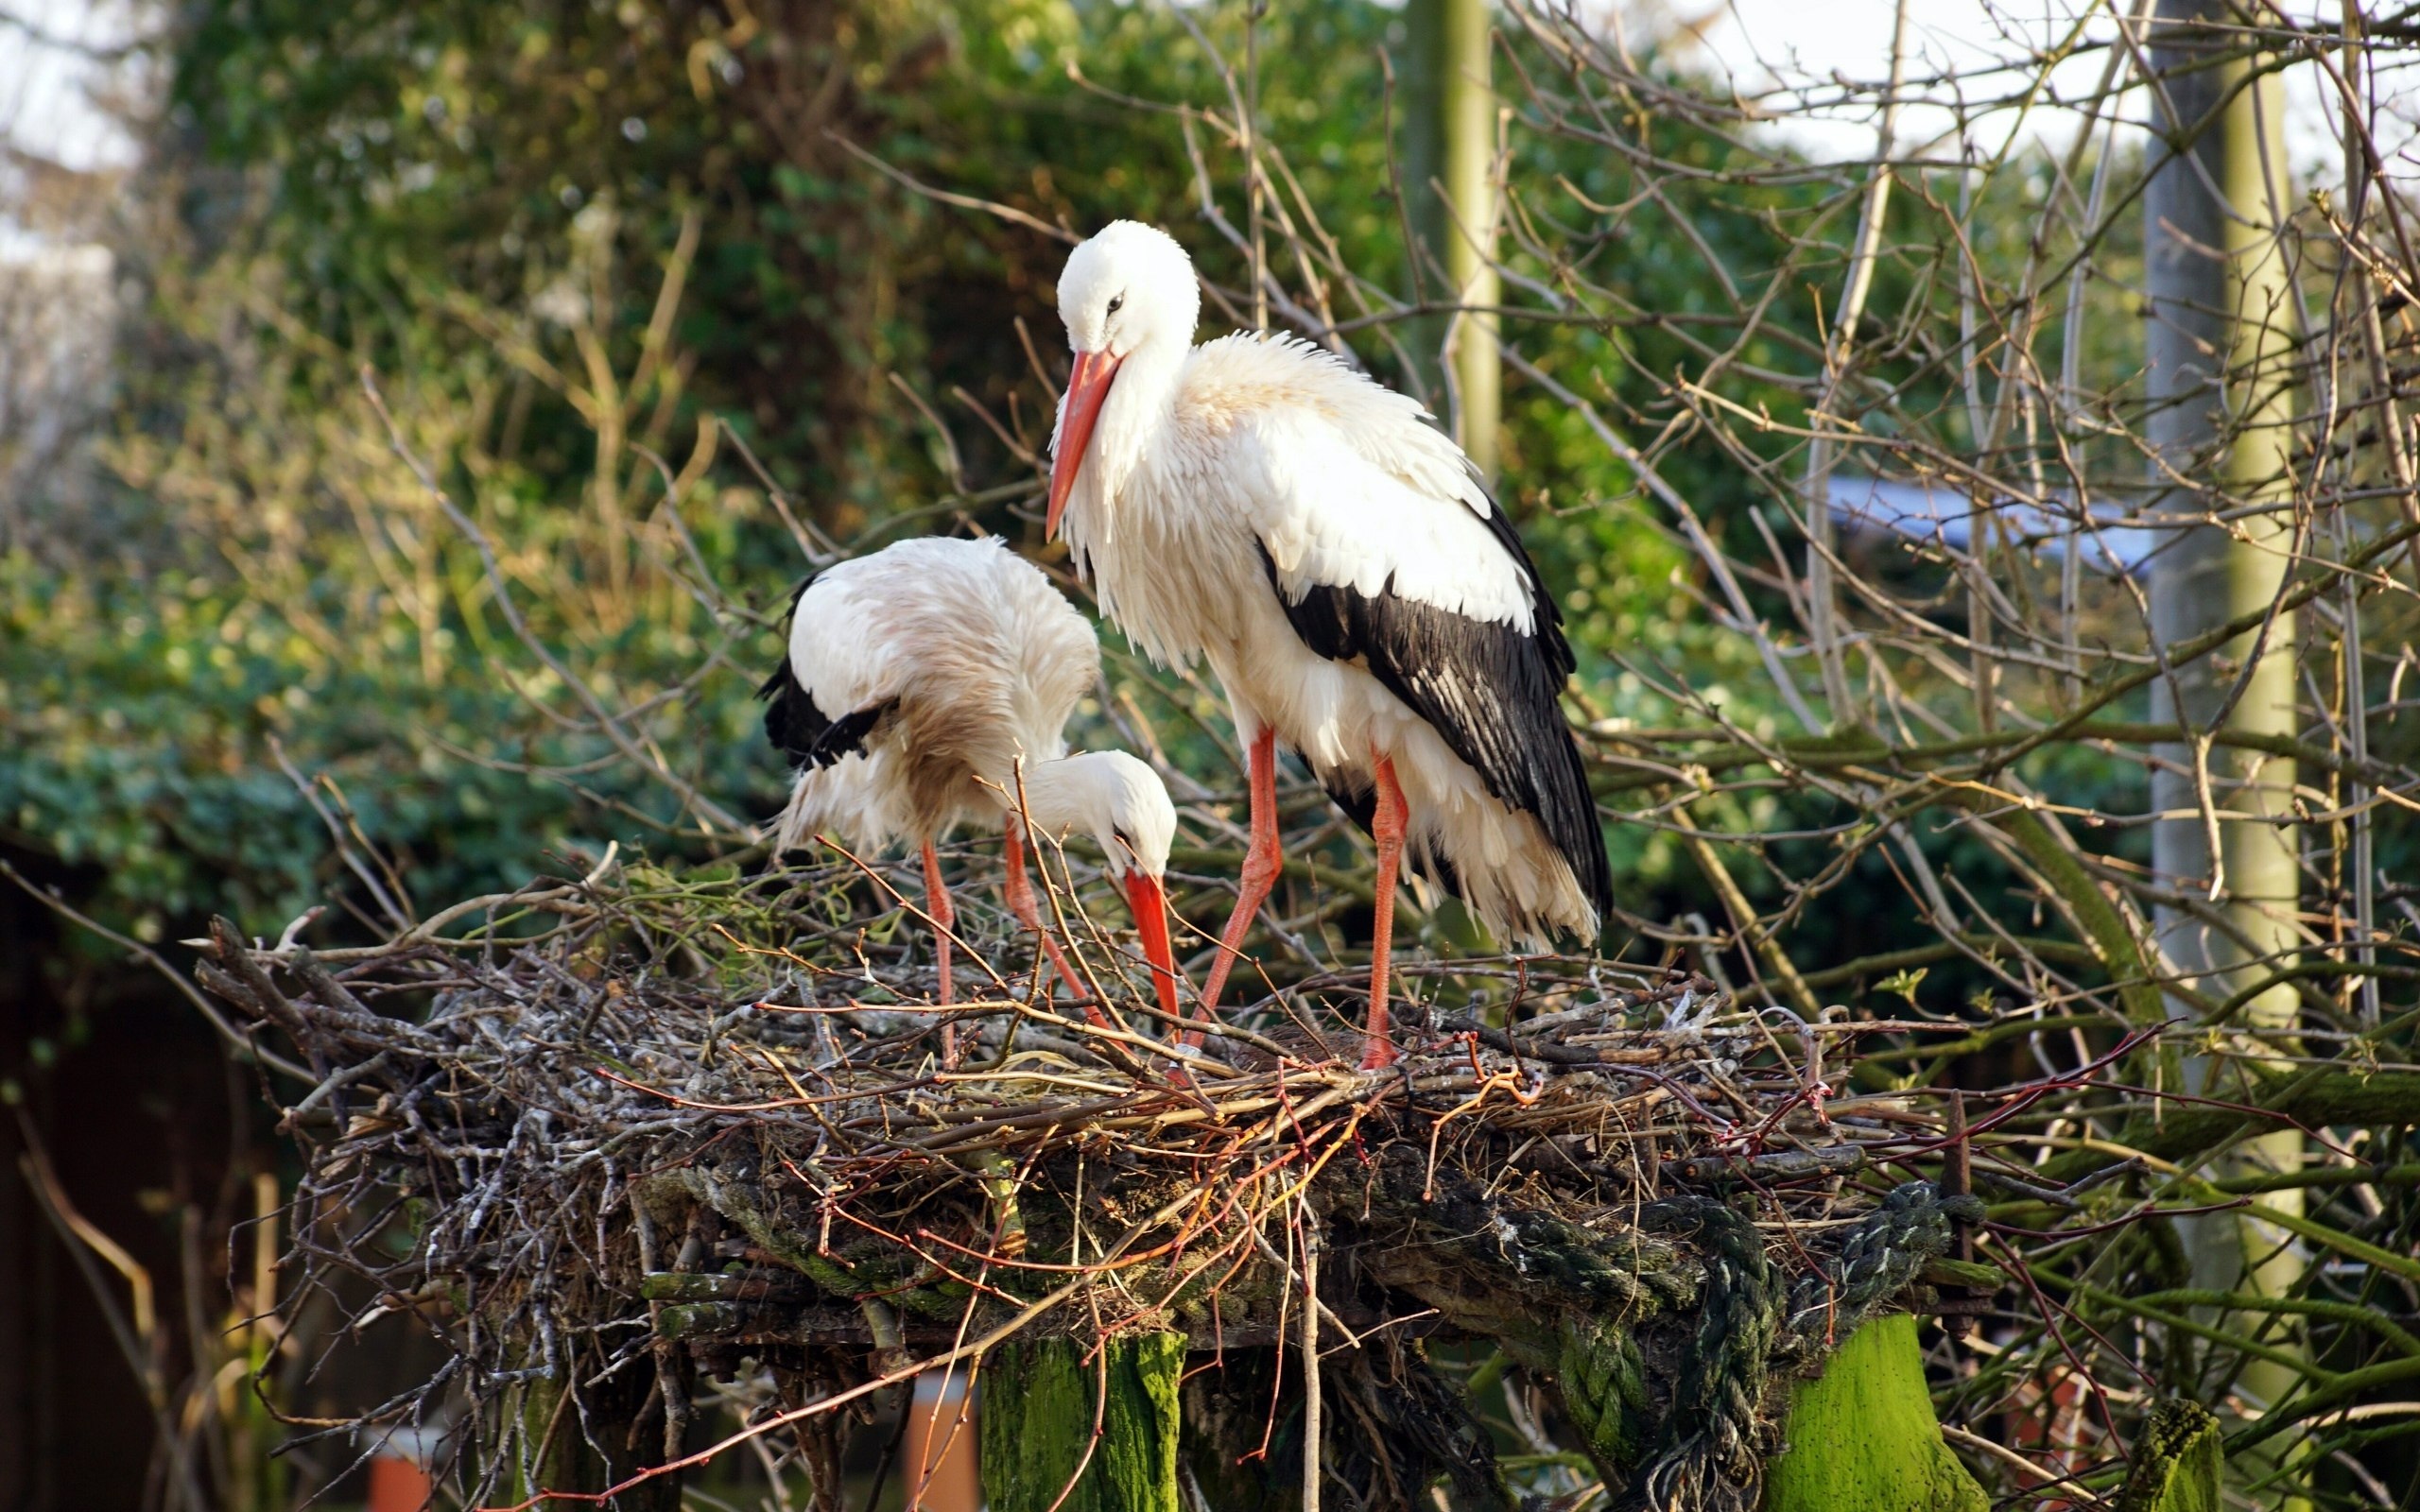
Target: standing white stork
(925, 683)
(1255, 503)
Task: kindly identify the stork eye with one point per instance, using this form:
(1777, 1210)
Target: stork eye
(1115, 303)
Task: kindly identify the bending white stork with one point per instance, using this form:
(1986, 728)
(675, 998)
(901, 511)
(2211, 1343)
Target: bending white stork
(1256, 503)
(925, 683)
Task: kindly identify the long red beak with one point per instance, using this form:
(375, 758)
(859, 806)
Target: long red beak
(1150, 904)
(1087, 389)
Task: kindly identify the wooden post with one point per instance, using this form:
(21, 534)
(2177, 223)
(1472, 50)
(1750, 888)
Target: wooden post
(2217, 349)
(1233, 1453)
(1863, 1435)
(558, 1456)
(1058, 1430)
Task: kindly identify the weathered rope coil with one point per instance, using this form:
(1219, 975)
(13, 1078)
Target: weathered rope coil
(1711, 1451)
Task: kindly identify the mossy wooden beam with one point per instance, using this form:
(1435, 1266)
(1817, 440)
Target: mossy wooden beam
(2105, 926)
(1718, 754)
(1098, 1435)
(2312, 1098)
(944, 1301)
(1863, 1435)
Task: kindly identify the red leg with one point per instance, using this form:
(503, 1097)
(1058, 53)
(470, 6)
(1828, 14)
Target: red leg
(944, 918)
(1029, 913)
(1259, 875)
(1386, 827)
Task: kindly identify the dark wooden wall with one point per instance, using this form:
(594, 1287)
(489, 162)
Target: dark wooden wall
(152, 1136)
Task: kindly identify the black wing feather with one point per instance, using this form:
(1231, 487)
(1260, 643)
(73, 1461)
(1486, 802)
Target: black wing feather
(801, 731)
(1545, 613)
(1490, 691)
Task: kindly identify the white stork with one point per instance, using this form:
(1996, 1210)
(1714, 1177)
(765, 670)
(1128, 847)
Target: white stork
(1256, 503)
(930, 682)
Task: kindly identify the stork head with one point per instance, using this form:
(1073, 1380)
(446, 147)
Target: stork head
(1111, 797)
(1128, 293)
(1124, 806)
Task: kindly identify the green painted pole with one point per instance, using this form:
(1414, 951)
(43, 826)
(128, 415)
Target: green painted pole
(2178, 1463)
(1863, 1435)
(1058, 1430)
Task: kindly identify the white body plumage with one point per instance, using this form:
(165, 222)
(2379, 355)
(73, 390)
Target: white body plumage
(1255, 503)
(921, 677)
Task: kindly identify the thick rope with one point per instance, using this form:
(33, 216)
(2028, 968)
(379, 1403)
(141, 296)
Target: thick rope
(1877, 1262)
(1709, 1455)
(1711, 1450)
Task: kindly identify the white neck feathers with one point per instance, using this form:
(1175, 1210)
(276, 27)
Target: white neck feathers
(1137, 411)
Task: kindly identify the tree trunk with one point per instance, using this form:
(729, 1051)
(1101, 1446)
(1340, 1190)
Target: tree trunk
(1863, 1435)
(1051, 1418)
(1451, 139)
(2219, 338)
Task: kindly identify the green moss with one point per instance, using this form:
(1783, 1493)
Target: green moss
(2176, 1462)
(1864, 1435)
(1041, 1400)
(684, 1320)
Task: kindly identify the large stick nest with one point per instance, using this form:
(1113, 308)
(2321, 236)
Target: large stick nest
(639, 1130)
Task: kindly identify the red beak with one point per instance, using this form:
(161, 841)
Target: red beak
(1150, 904)
(1087, 389)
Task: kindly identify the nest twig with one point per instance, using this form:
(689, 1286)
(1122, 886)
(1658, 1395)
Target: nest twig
(649, 1128)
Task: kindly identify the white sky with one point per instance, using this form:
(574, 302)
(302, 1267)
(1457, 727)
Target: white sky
(1803, 44)
(45, 102)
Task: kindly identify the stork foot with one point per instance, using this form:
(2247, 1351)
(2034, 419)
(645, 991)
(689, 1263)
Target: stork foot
(1377, 1051)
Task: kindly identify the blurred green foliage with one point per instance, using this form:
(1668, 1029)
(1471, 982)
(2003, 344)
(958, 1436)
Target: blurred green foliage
(563, 234)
